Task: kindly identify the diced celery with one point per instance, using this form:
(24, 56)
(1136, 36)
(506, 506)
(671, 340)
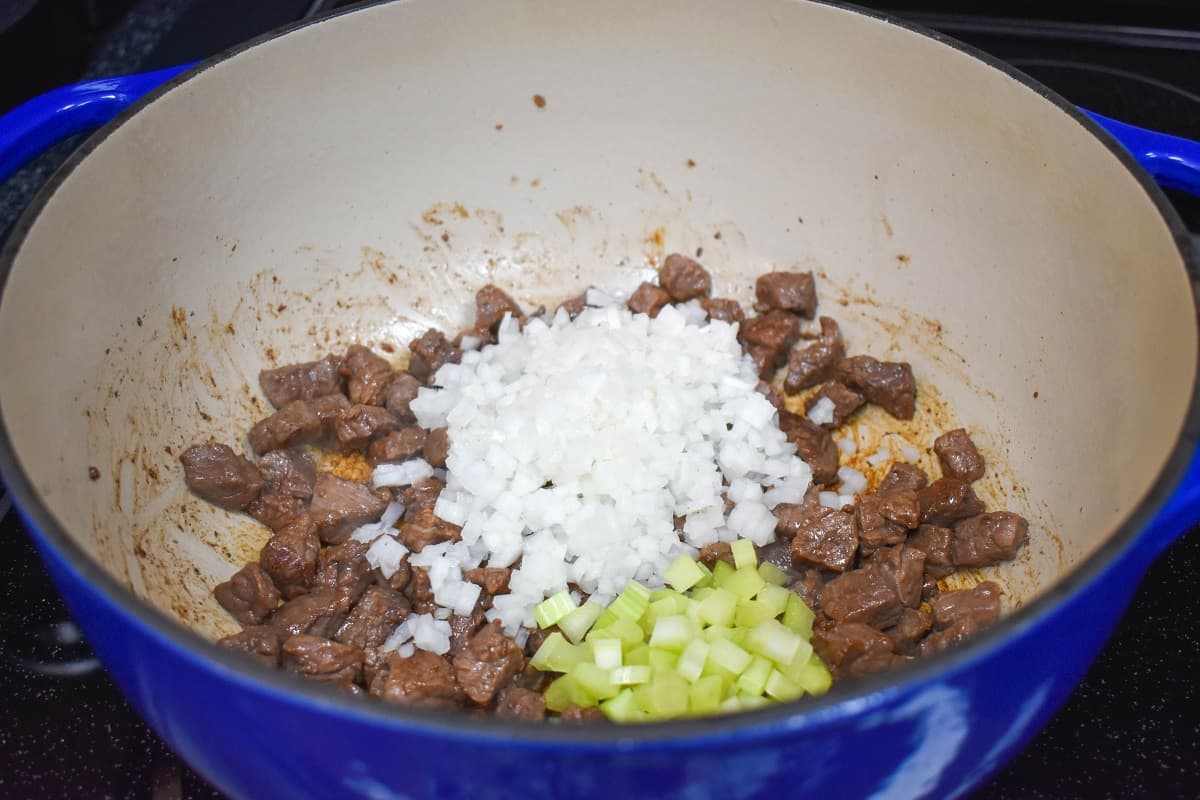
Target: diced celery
(673, 632)
(629, 632)
(730, 704)
(754, 679)
(782, 688)
(814, 677)
(751, 612)
(557, 654)
(728, 655)
(665, 607)
(699, 594)
(719, 607)
(798, 616)
(659, 659)
(749, 701)
(721, 572)
(665, 696)
(745, 583)
(554, 608)
(704, 695)
(717, 632)
(639, 655)
(772, 574)
(743, 554)
(623, 676)
(691, 660)
(773, 640)
(606, 653)
(775, 597)
(606, 618)
(576, 624)
(594, 680)
(683, 574)
(706, 581)
(623, 708)
(692, 612)
(566, 691)
(631, 603)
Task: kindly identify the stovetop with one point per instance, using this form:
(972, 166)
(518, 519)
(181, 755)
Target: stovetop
(1131, 729)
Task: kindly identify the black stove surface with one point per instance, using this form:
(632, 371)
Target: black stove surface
(1131, 729)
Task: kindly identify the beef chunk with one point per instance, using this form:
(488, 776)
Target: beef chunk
(398, 445)
(537, 637)
(648, 299)
(494, 580)
(875, 530)
(345, 571)
(724, 309)
(828, 541)
(368, 374)
(289, 472)
(904, 567)
(766, 339)
(888, 384)
(362, 423)
(314, 612)
(491, 304)
(420, 592)
(808, 587)
(515, 702)
(773, 397)
(904, 476)
(813, 443)
(462, 628)
(790, 517)
(422, 494)
(423, 527)
(295, 423)
(710, 554)
(959, 614)
(787, 291)
(575, 714)
(901, 507)
(400, 394)
(934, 542)
(374, 617)
(575, 305)
(845, 401)
(305, 381)
(988, 539)
(437, 447)
(339, 506)
(398, 580)
(948, 500)
(430, 352)
(854, 649)
(330, 409)
(421, 679)
(220, 476)
(249, 595)
(815, 362)
(683, 278)
(908, 630)
(487, 663)
(278, 511)
(958, 455)
(876, 592)
(323, 659)
(258, 641)
(290, 556)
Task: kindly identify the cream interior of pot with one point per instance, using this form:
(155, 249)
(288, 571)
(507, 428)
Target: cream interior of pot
(359, 179)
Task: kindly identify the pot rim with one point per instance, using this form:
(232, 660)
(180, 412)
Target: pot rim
(843, 701)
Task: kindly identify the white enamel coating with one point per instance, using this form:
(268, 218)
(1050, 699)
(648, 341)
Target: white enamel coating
(359, 179)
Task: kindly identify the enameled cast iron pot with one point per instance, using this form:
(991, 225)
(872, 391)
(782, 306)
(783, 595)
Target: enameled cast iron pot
(358, 179)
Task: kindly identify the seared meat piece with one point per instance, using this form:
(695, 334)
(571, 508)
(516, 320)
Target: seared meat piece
(420, 592)
(766, 339)
(399, 580)
(368, 374)
(290, 556)
(430, 352)
(374, 617)
(947, 500)
(517, 703)
(575, 305)
(463, 628)
(330, 409)
(724, 309)
(828, 541)
(958, 456)
(790, 517)
(494, 580)
(934, 542)
(344, 570)
(815, 362)
(278, 511)
(875, 530)
(324, 660)
(845, 401)
(876, 592)
(295, 423)
(258, 641)
(220, 476)
(853, 649)
(491, 304)
(648, 299)
(305, 381)
(487, 663)
(422, 494)
(339, 506)
(422, 679)
(398, 445)
(400, 393)
(787, 291)
(423, 527)
(710, 554)
(904, 476)
(289, 472)
(988, 539)
(908, 630)
(813, 443)
(900, 506)
(683, 278)
(314, 612)
(362, 423)
(904, 567)
(436, 448)
(888, 384)
(249, 595)
(958, 614)
(808, 587)
(773, 397)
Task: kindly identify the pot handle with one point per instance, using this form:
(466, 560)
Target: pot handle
(33, 126)
(1174, 162)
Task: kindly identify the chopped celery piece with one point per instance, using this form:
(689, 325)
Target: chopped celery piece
(673, 632)
(552, 609)
(606, 653)
(659, 659)
(751, 612)
(772, 574)
(631, 603)
(782, 688)
(665, 696)
(594, 680)
(706, 581)
(713, 632)
(666, 607)
(772, 639)
(719, 607)
(754, 679)
(744, 583)
(639, 655)
(557, 654)
(749, 701)
(628, 631)
(721, 572)
(624, 676)
(725, 653)
(576, 624)
(814, 677)
(623, 708)
(704, 695)
(776, 598)
(691, 661)
(730, 704)
(698, 595)
(683, 574)
(604, 620)
(743, 554)
(566, 691)
(799, 617)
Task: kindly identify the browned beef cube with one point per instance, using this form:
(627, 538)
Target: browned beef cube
(908, 630)
(875, 530)
(344, 570)
(901, 507)
(790, 517)
(773, 397)
(422, 679)
(710, 554)
(259, 641)
(724, 309)
(766, 339)
(959, 614)
(683, 278)
(813, 443)
(339, 506)
(988, 539)
(314, 612)
(947, 500)
(289, 472)
(808, 587)
(904, 476)
(249, 595)
(888, 384)
(295, 423)
(423, 527)
(373, 618)
(815, 362)
(648, 299)
(278, 511)
(398, 445)
(515, 702)
(828, 541)
(845, 401)
(862, 595)
(904, 567)
(431, 352)
(788, 291)
(290, 556)
(494, 580)
(488, 662)
(368, 376)
(322, 659)
(420, 592)
(220, 476)
(362, 423)
(854, 649)
(958, 456)
(301, 381)
(462, 628)
(934, 541)
(491, 304)
(437, 447)
(575, 305)
(400, 394)
(330, 409)
(398, 580)
(422, 494)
